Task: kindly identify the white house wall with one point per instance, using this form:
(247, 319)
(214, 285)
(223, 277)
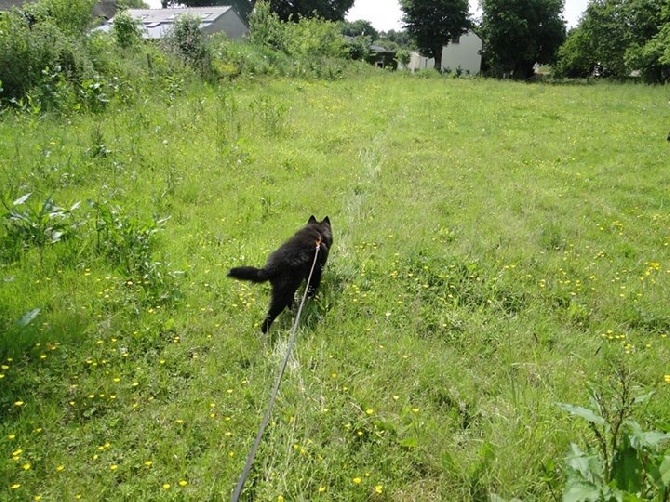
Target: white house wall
(465, 54)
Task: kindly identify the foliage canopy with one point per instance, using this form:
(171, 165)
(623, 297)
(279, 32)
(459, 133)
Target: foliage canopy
(621, 36)
(434, 23)
(518, 34)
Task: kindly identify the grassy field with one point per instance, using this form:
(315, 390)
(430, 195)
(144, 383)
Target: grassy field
(499, 248)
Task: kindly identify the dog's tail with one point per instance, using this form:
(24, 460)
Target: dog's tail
(247, 273)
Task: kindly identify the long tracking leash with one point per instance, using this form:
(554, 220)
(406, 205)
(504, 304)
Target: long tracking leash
(273, 396)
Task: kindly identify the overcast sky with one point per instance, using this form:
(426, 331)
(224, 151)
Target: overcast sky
(385, 15)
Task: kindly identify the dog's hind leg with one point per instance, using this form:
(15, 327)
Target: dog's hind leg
(282, 296)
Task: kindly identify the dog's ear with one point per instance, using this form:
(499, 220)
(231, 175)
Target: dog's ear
(326, 220)
(312, 219)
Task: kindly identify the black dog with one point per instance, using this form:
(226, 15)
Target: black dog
(289, 265)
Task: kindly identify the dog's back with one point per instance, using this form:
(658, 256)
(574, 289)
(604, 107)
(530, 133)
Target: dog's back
(289, 265)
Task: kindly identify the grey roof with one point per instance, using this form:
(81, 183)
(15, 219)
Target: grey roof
(379, 48)
(156, 22)
(8, 4)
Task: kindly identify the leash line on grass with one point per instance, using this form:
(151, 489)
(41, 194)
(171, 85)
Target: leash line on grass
(275, 390)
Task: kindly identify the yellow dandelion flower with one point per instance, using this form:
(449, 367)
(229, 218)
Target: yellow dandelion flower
(322, 489)
(37, 497)
(183, 483)
(113, 467)
(60, 468)
(18, 403)
(357, 481)
(369, 411)
(26, 466)
(148, 463)
(666, 378)
(166, 486)
(16, 486)
(378, 489)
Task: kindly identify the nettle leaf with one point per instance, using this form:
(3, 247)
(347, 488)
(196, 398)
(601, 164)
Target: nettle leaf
(578, 461)
(664, 472)
(627, 470)
(640, 439)
(28, 317)
(583, 466)
(579, 491)
(643, 398)
(585, 413)
(21, 200)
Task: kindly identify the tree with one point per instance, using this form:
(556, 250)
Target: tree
(400, 38)
(434, 23)
(518, 34)
(360, 28)
(330, 10)
(620, 36)
(574, 61)
(653, 58)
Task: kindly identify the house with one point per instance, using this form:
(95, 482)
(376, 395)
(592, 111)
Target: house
(157, 22)
(381, 57)
(462, 55)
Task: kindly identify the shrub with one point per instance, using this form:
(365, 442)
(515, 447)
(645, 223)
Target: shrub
(36, 58)
(187, 42)
(38, 224)
(266, 29)
(126, 30)
(314, 38)
(71, 17)
(623, 462)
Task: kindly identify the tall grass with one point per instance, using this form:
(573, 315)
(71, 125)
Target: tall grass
(498, 246)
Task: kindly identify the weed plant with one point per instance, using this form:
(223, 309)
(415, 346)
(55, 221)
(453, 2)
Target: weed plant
(499, 248)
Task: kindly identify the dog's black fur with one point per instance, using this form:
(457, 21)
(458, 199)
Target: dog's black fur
(289, 265)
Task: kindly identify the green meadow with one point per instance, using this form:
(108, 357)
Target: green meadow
(501, 265)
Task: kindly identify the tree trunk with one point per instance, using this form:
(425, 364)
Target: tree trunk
(437, 55)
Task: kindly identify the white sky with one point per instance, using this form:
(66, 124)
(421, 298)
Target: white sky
(386, 15)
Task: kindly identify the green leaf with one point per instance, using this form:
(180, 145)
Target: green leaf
(28, 317)
(663, 479)
(585, 413)
(579, 491)
(409, 442)
(627, 470)
(21, 200)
